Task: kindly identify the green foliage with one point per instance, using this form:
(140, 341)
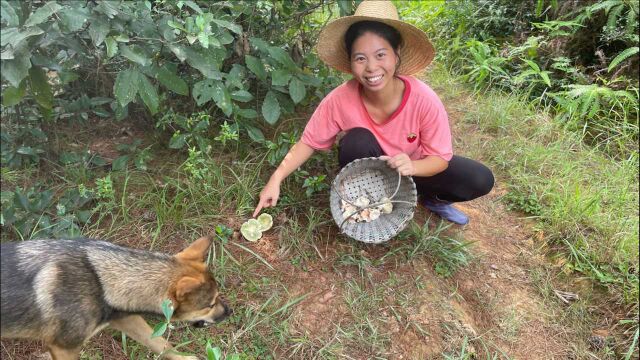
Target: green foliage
(276, 150)
(131, 152)
(167, 310)
(527, 203)
(214, 353)
(315, 184)
(541, 52)
(157, 54)
(485, 68)
(33, 212)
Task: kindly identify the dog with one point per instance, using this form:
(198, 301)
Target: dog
(63, 292)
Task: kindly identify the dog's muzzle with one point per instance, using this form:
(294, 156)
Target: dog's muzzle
(205, 323)
(201, 324)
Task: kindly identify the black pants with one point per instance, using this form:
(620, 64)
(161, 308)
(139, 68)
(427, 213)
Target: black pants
(463, 180)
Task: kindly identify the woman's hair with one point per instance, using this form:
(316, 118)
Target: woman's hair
(383, 30)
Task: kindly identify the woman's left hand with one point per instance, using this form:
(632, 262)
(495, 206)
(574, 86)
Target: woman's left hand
(402, 163)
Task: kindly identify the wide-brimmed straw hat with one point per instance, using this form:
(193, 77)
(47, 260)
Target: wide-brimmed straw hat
(416, 51)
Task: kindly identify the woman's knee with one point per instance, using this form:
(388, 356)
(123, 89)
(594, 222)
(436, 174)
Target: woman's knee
(358, 143)
(483, 181)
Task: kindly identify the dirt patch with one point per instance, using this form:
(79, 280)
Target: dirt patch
(323, 307)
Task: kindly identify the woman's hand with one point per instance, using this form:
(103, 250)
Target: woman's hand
(402, 163)
(268, 196)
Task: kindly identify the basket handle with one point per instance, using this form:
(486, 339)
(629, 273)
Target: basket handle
(360, 208)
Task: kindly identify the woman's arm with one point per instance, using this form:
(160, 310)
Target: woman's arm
(297, 155)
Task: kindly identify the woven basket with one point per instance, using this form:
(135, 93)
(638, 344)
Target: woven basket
(373, 178)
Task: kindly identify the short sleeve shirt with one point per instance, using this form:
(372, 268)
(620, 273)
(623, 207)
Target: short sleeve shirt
(418, 128)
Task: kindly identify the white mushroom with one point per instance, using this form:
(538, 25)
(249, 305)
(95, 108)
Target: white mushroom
(386, 207)
(362, 201)
(374, 214)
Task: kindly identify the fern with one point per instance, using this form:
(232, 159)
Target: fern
(625, 54)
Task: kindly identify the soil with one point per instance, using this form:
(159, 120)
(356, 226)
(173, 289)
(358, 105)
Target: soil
(494, 302)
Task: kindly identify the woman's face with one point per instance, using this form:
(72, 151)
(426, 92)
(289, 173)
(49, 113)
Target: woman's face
(373, 61)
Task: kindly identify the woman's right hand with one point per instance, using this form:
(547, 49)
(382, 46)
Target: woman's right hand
(268, 196)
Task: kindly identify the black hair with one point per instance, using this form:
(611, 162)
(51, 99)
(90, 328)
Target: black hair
(383, 30)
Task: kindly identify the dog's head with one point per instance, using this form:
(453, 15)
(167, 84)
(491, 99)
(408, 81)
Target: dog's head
(195, 293)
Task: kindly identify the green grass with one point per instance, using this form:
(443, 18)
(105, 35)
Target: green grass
(583, 201)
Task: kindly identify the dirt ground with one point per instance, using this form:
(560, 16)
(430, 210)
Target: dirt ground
(495, 302)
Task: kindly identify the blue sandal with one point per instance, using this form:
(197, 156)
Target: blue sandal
(445, 210)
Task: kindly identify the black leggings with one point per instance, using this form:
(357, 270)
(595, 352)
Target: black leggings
(463, 180)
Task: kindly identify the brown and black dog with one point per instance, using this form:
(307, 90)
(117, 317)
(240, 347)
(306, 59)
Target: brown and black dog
(65, 291)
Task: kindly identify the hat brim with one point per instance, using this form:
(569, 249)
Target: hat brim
(416, 51)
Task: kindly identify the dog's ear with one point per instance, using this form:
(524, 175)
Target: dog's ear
(196, 251)
(186, 285)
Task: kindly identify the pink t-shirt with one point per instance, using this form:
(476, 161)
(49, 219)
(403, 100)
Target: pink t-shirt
(418, 128)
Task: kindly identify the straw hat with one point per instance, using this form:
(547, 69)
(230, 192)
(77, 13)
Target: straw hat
(416, 51)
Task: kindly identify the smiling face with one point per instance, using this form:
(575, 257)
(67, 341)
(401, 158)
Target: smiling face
(373, 61)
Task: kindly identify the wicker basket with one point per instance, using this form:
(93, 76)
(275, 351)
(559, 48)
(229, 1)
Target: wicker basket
(373, 178)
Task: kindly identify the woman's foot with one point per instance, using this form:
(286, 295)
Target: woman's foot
(445, 210)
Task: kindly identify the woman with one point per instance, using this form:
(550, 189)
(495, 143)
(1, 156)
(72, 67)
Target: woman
(385, 112)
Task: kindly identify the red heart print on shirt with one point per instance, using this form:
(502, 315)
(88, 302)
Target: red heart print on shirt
(412, 137)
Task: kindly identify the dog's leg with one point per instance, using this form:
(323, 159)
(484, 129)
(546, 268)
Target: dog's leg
(58, 353)
(138, 329)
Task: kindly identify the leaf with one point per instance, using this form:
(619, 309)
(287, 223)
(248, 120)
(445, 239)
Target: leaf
(297, 90)
(40, 87)
(203, 38)
(625, 54)
(177, 141)
(280, 77)
(159, 329)
(112, 46)
(135, 54)
(167, 309)
(259, 44)
(247, 113)
(15, 70)
(14, 37)
(210, 89)
(241, 95)
(42, 13)
(229, 25)
(13, 95)
(74, 17)
(172, 81)
(222, 98)
(126, 86)
(255, 65)
(178, 51)
(120, 163)
(148, 94)
(254, 133)
(532, 65)
(271, 108)
(193, 5)
(206, 64)
(108, 8)
(281, 56)
(98, 31)
(545, 77)
(201, 91)
(8, 14)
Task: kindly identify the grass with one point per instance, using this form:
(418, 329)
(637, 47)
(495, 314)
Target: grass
(585, 203)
